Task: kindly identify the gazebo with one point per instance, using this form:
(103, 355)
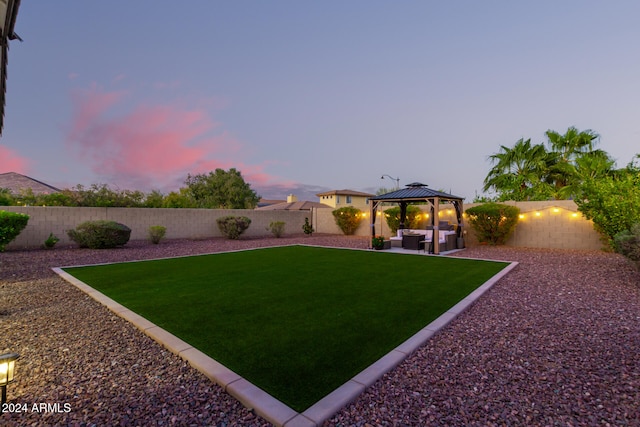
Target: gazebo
(418, 192)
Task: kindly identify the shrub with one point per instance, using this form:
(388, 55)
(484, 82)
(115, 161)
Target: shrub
(393, 217)
(233, 226)
(156, 233)
(348, 219)
(627, 243)
(611, 203)
(276, 228)
(100, 234)
(377, 242)
(307, 228)
(6, 199)
(493, 222)
(11, 224)
(51, 241)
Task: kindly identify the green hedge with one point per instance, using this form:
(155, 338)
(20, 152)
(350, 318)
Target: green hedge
(493, 222)
(347, 219)
(11, 224)
(100, 234)
(627, 243)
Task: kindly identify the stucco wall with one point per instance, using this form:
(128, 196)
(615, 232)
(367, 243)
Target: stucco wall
(180, 223)
(553, 224)
(549, 224)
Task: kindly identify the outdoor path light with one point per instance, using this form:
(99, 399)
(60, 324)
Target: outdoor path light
(7, 370)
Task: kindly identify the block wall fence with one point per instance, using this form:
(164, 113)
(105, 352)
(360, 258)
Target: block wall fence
(553, 224)
(180, 223)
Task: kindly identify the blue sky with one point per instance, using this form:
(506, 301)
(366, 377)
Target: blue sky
(307, 96)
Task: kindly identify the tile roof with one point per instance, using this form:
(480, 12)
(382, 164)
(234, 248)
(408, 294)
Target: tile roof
(344, 193)
(294, 206)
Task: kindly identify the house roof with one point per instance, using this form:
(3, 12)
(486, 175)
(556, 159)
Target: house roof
(8, 15)
(266, 202)
(415, 192)
(16, 183)
(294, 206)
(344, 193)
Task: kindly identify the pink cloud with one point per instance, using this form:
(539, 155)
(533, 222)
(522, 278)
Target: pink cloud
(151, 146)
(12, 162)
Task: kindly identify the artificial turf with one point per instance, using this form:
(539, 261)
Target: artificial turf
(296, 321)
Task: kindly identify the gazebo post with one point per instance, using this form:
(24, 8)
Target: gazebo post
(436, 225)
(372, 211)
(459, 217)
(403, 215)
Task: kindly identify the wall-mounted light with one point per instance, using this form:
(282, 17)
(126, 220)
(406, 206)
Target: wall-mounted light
(7, 371)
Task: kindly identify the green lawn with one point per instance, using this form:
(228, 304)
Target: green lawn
(296, 321)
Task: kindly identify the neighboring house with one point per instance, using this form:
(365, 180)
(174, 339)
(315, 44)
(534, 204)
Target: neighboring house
(8, 15)
(268, 202)
(17, 184)
(341, 198)
(292, 204)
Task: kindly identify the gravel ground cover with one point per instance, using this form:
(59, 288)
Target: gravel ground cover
(555, 342)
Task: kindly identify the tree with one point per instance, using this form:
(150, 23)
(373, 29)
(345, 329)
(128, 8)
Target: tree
(572, 143)
(518, 173)
(592, 165)
(181, 199)
(567, 149)
(531, 172)
(221, 190)
(612, 202)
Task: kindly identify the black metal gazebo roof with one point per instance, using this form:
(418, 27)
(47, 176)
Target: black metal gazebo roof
(415, 191)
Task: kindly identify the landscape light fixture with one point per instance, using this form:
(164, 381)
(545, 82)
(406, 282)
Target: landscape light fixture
(397, 180)
(7, 370)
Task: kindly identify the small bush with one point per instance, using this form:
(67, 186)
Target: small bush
(307, 228)
(348, 219)
(100, 234)
(233, 226)
(51, 241)
(156, 233)
(11, 224)
(493, 222)
(627, 243)
(276, 228)
(377, 242)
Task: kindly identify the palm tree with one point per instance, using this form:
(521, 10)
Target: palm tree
(519, 172)
(594, 164)
(572, 143)
(567, 149)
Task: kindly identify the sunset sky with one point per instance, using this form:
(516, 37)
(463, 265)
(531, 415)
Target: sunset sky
(306, 96)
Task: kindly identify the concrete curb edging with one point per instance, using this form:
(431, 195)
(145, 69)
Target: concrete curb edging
(257, 399)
